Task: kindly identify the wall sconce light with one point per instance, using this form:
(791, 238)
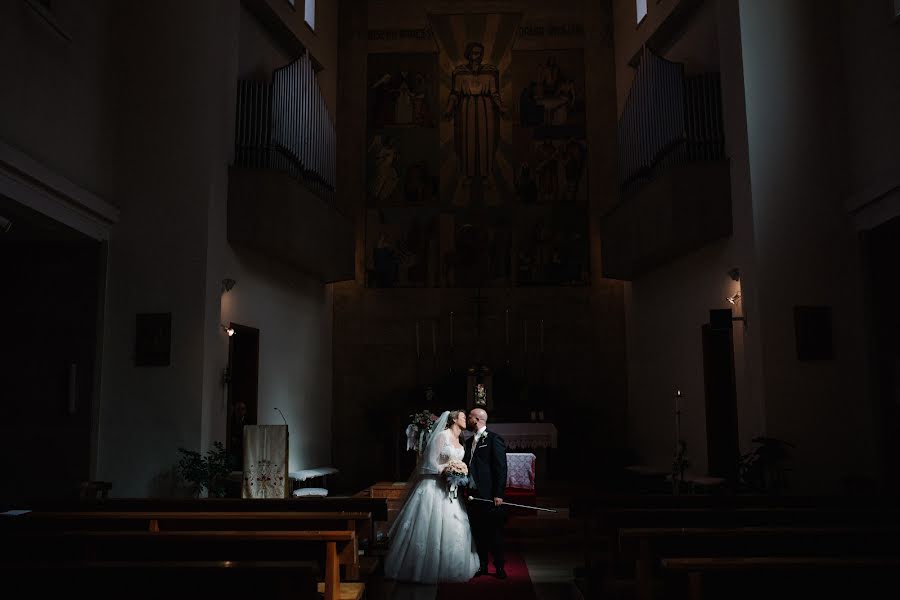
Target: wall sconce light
(734, 298)
(228, 330)
(735, 274)
(227, 284)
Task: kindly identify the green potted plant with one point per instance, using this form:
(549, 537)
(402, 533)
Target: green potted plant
(762, 469)
(205, 473)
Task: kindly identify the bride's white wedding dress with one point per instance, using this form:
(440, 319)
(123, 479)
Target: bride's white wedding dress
(431, 540)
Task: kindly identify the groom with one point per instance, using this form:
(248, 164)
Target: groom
(486, 458)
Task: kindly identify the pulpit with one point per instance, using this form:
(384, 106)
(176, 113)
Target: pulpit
(265, 462)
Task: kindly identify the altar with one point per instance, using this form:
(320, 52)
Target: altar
(522, 436)
(536, 437)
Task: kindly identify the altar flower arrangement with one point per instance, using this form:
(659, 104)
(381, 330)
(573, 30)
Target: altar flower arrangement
(480, 395)
(421, 424)
(457, 474)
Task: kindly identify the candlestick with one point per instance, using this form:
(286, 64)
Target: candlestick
(417, 339)
(507, 327)
(677, 420)
(433, 341)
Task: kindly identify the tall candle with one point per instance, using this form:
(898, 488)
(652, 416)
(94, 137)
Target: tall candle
(507, 327)
(677, 419)
(433, 341)
(417, 339)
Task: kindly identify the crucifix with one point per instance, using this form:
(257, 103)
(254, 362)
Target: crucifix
(478, 299)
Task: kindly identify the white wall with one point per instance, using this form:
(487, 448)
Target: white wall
(806, 250)
(794, 244)
(668, 306)
(291, 310)
(157, 253)
(293, 315)
(667, 309)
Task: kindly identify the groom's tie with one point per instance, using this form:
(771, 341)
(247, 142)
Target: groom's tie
(471, 456)
(474, 445)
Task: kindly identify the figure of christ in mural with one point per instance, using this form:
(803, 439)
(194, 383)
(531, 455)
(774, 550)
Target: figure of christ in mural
(473, 104)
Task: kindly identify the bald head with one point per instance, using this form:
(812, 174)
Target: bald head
(477, 419)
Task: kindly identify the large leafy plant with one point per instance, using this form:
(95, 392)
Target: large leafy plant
(206, 472)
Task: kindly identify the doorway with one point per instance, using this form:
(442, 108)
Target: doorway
(881, 246)
(243, 386)
(51, 298)
(723, 451)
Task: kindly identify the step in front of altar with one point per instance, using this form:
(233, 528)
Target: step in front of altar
(395, 493)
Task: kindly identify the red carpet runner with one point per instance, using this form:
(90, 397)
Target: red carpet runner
(517, 586)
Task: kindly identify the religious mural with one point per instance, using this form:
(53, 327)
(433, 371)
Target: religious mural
(403, 161)
(477, 153)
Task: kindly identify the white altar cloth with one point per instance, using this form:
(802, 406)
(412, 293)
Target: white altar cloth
(520, 470)
(524, 435)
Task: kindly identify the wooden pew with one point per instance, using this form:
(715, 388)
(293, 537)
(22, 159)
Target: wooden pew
(377, 507)
(743, 577)
(602, 516)
(358, 522)
(601, 525)
(63, 546)
(178, 580)
(645, 547)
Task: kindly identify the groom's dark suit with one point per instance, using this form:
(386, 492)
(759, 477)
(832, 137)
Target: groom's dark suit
(487, 470)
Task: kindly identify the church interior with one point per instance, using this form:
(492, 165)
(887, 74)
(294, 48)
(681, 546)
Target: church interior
(654, 240)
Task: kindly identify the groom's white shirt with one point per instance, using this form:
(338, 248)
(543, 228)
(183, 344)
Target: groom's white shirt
(478, 435)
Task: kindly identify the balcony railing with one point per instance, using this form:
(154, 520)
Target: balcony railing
(285, 125)
(669, 119)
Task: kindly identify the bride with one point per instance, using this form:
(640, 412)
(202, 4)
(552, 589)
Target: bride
(431, 540)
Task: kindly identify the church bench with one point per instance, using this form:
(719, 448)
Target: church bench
(377, 507)
(348, 591)
(746, 577)
(644, 547)
(180, 580)
(357, 522)
(184, 546)
(602, 523)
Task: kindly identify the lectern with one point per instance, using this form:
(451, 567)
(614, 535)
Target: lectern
(265, 462)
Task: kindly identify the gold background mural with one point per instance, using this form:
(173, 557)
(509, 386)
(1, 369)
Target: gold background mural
(477, 156)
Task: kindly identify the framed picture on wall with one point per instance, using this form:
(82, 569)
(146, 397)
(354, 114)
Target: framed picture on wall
(153, 340)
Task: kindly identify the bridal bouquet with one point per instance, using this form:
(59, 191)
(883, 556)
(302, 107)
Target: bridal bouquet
(457, 474)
